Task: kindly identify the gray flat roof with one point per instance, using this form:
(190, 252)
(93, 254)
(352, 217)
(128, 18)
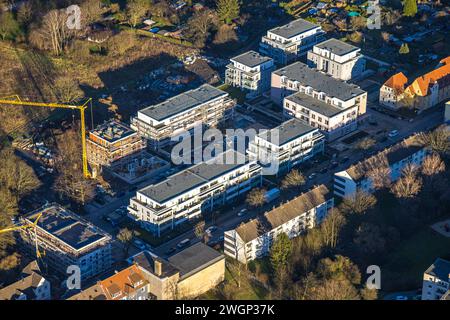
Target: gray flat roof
(319, 81)
(337, 46)
(193, 177)
(195, 258)
(251, 59)
(440, 269)
(294, 28)
(112, 131)
(182, 102)
(314, 104)
(66, 226)
(288, 130)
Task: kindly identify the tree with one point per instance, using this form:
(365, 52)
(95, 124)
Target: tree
(330, 228)
(358, 23)
(432, 165)
(339, 268)
(199, 229)
(369, 294)
(437, 140)
(136, 10)
(366, 144)
(404, 49)
(355, 37)
(279, 257)
(293, 179)
(256, 197)
(228, 10)
(67, 89)
(369, 238)
(358, 203)
(409, 8)
(409, 185)
(378, 171)
(92, 11)
(125, 236)
(335, 290)
(9, 27)
(10, 262)
(200, 25)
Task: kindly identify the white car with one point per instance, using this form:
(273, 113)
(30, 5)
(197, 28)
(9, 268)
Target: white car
(211, 229)
(393, 133)
(242, 212)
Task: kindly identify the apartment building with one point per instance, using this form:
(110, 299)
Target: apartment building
(187, 274)
(423, 93)
(253, 239)
(250, 71)
(436, 281)
(286, 43)
(200, 188)
(67, 240)
(112, 142)
(206, 105)
(339, 59)
(30, 286)
(289, 144)
(127, 284)
(357, 176)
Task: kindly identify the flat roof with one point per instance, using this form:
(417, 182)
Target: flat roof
(316, 105)
(337, 46)
(182, 102)
(251, 59)
(288, 131)
(440, 269)
(293, 28)
(195, 258)
(113, 131)
(320, 81)
(67, 227)
(193, 177)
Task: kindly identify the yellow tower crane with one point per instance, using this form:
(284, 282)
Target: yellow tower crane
(15, 100)
(26, 226)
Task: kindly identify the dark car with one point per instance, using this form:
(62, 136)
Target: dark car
(171, 251)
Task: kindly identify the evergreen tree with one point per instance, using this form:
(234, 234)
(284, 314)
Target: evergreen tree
(228, 10)
(280, 252)
(404, 49)
(409, 8)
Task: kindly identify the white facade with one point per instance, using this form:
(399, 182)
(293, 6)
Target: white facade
(186, 195)
(348, 182)
(286, 43)
(436, 280)
(250, 72)
(246, 242)
(296, 143)
(338, 59)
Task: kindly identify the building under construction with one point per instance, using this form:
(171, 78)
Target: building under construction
(65, 239)
(112, 142)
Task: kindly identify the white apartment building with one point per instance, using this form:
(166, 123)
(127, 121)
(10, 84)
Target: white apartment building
(338, 59)
(198, 189)
(436, 280)
(250, 71)
(356, 177)
(206, 105)
(253, 239)
(289, 144)
(286, 43)
(68, 240)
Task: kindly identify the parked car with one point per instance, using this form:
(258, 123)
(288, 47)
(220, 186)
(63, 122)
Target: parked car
(138, 243)
(184, 243)
(211, 229)
(312, 176)
(242, 212)
(393, 133)
(171, 251)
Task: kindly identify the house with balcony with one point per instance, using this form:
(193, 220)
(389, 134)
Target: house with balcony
(250, 72)
(286, 43)
(395, 158)
(206, 106)
(201, 188)
(253, 239)
(436, 281)
(287, 145)
(339, 59)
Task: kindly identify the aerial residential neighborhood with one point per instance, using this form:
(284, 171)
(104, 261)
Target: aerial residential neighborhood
(229, 150)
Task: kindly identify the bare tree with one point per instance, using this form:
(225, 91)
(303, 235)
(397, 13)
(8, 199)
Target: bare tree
(136, 10)
(92, 11)
(200, 26)
(330, 228)
(409, 185)
(293, 179)
(199, 229)
(366, 144)
(358, 203)
(378, 171)
(67, 89)
(437, 140)
(433, 165)
(125, 236)
(256, 197)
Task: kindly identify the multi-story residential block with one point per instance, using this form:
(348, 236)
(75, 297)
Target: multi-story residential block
(127, 284)
(286, 43)
(395, 158)
(250, 71)
(201, 188)
(338, 59)
(253, 239)
(288, 145)
(206, 105)
(187, 274)
(112, 142)
(31, 285)
(436, 280)
(424, 92)
(68, 240)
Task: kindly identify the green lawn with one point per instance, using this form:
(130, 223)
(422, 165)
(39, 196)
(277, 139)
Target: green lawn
(234, 92)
